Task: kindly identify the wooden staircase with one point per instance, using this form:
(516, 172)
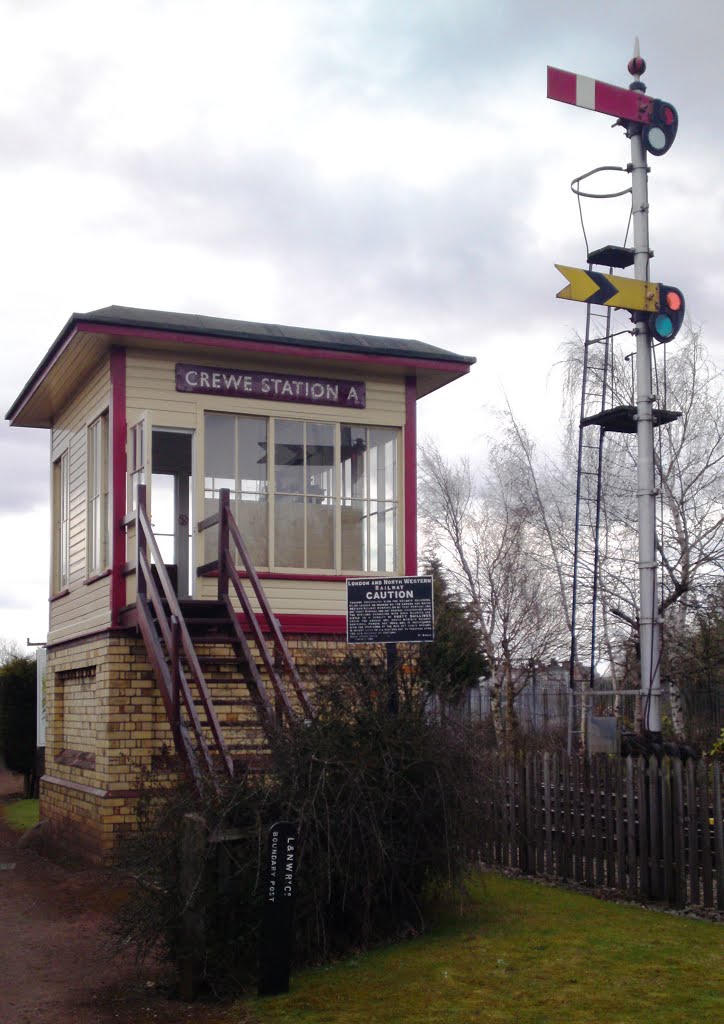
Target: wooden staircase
(225, 689)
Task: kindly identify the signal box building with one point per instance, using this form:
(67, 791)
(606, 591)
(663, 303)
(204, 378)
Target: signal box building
(214, 483)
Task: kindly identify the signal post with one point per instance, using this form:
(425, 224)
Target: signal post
(657, 312)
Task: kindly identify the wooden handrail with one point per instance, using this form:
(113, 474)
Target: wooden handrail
(204, 524)
(146, 587)
(229, 531)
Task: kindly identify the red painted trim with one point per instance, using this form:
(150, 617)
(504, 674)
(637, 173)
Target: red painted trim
(303, 576)
(73, 326)
(271, 348)
(98, 576)
(57, 597)
(314, 624)
(410, 476)
(118, 480)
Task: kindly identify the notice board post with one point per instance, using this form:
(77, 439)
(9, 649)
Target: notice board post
(393, 693)
(390, 610)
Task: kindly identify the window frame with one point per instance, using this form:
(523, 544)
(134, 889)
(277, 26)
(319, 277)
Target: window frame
(338, 569)
(97, 495)
(61, 524)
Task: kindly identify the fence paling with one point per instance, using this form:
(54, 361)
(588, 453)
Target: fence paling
(656, 885)
(650, 829)
(705, 835)
(692, 833)
(548, 865)
(718, 827)
(679, 834)
(642, 803)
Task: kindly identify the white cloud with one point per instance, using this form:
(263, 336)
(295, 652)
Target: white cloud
(389, 168)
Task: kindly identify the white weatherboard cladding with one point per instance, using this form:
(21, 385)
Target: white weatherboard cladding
(151, 390)
(87, 606)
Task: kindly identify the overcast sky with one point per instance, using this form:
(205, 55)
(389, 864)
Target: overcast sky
(386, 166)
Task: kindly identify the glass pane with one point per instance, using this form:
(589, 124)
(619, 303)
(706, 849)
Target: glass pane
(92, 535)
(353, 535)
(166, 547)
(138, 453)
(320, 460)
(320, 535)
(289, 456)
(383, 464)
(210, 536)
(219, 452)
(289, 532)
(163, 514)
(252, 517)
(252, 457)
(390, 538)
(354, 446)
(383, 539)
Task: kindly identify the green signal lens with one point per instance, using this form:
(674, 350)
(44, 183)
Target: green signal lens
(664, 325)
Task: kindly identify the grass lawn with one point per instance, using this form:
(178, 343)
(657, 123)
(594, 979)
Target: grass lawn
(21, 814)
(526, 954)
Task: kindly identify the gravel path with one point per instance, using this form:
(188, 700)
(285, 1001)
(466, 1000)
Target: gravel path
(55, 958)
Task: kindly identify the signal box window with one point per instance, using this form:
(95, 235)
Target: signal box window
(307, 495)
(97, 470)
(61, 523)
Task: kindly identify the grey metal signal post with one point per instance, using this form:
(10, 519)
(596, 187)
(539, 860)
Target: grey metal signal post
(657, 312)
(649, 626)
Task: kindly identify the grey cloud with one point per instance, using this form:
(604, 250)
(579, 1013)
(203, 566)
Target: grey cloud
(50, 125)
(464, 242)
(24, 468)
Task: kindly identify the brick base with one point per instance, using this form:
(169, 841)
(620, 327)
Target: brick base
(107, 729)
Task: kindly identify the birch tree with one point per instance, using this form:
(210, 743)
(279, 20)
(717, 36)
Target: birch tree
(689, 458)
(499, 557)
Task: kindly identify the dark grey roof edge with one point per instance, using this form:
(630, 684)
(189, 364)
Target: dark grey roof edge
(246, 330)
(242, 330)
(42, 366)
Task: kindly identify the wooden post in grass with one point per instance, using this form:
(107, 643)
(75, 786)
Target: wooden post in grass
(191, 881)
(278, 915)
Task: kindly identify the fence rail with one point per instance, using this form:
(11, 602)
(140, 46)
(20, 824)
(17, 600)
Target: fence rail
(647, 828)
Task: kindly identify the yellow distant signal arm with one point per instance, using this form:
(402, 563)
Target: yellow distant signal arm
(610, 290)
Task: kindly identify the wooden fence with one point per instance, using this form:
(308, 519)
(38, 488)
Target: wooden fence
(649, 829)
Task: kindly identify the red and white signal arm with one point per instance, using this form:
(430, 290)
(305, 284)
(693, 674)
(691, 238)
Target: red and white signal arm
(658, 118)
(581, 91)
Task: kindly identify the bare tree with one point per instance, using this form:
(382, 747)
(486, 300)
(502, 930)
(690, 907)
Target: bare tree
(10, 650)
(689, 457)
(498, 555)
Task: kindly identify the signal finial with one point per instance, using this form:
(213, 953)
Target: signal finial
(637, 65)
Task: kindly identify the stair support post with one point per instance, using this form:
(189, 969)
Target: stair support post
(175, 678)
(141, 586)
(224, 552)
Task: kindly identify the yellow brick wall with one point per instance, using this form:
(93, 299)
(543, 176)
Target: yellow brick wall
(103, 701)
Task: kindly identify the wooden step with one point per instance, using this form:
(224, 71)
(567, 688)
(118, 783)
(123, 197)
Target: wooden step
(228, 702)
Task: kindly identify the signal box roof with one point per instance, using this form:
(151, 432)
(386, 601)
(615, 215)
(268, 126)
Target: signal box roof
(89, 335)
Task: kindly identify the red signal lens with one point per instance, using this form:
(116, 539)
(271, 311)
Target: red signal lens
(673, 301)
(667, 115)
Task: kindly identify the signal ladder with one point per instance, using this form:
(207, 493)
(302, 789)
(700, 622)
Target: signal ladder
(598, 416)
